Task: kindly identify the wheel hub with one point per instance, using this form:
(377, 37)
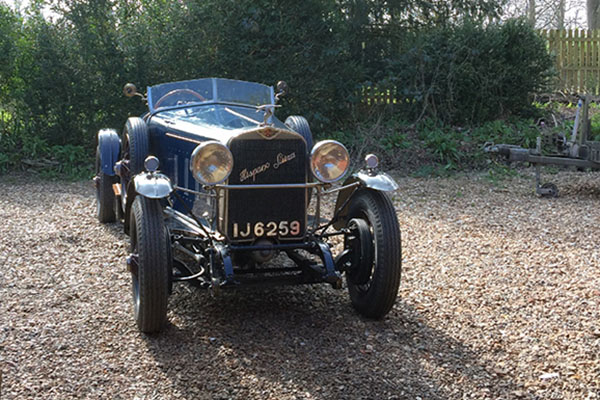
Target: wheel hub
(359, 241)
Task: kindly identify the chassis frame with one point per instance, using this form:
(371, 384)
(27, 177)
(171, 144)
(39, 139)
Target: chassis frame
(577, 151)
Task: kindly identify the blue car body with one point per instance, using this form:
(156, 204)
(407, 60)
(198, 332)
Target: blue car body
(215, 187)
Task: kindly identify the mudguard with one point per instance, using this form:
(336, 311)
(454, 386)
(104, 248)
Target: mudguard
(147, 184)
(152, 185)
(109, 145)
(379, 181)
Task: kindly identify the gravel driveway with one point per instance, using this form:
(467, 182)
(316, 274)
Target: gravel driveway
(499, 299)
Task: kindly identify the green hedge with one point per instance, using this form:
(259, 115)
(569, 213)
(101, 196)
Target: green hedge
(61, 81)
(469, 74)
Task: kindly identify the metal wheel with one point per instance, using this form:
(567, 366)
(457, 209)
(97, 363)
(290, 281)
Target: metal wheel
(374, 240)
(148, 263)
(550, 190)
(360, 241)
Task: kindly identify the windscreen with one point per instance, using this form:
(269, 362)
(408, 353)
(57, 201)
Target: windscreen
(177, 94)
(254, 94)
(211, 116)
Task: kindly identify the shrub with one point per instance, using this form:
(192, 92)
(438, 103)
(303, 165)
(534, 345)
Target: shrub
(401, 144)
(61, 81)
(469, 73)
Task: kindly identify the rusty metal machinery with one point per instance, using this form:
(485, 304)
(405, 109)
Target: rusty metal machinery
(575, 150)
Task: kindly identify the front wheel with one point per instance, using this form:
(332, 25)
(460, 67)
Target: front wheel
(149, 264)
(374, 241)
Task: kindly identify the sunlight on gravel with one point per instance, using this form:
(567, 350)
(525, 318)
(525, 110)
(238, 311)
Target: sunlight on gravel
(499, 299)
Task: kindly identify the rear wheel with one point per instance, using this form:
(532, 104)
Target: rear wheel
(149, 263)
(136, 144)
(300, 125)
(373, 276)
(105, 197)
(136, 147)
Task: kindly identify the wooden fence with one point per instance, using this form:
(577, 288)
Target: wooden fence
(577, 59)
(375, 96)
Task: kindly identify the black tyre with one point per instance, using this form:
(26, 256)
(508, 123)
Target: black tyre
(135, 144)
(373, 284)
(149, 264)
(300, 125)
(105, 197)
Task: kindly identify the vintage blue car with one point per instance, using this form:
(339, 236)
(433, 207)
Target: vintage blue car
(211, 186)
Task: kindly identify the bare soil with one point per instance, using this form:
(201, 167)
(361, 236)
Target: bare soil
(499, 300)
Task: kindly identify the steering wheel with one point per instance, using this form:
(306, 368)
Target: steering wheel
(176, 91)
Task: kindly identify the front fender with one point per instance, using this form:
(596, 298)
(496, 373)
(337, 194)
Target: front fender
(152, 185)
(109, 146)
(380, 181)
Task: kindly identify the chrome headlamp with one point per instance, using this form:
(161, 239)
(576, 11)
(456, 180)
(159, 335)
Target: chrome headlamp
(329, 161)
(211, 163)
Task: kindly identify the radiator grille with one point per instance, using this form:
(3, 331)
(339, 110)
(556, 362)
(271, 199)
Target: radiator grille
(266, 161)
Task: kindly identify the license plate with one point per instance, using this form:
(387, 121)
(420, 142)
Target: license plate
(266, 229)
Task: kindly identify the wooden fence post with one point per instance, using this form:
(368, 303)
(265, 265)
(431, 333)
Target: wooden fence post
(577, 55)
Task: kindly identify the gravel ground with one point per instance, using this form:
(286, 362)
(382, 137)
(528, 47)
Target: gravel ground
(499, 300)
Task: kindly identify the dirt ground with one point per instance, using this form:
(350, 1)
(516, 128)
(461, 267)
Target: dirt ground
(499, 299)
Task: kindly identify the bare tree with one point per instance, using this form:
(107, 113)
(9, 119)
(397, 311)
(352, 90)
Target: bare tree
(560, 15)
(549, 14)
(531, 14)
(593, 14)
